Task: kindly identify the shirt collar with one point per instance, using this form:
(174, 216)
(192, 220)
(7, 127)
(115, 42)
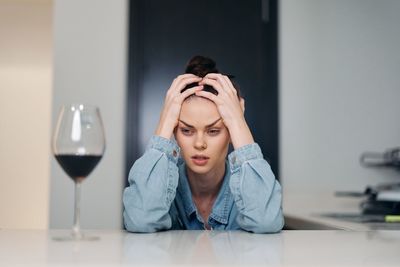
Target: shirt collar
(223, 203)
(185, 192)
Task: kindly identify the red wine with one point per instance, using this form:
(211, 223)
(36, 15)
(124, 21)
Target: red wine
(78, 166)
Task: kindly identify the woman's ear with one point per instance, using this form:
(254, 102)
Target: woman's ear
(242, 104)
(174, 135)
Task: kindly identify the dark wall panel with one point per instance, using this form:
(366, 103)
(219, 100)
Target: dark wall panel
(240, 35)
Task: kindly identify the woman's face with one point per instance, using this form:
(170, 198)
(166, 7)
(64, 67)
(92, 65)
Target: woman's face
(201, 135)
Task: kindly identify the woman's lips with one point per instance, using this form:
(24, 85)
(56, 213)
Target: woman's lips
(200, 160)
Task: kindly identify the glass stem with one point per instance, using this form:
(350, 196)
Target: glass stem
(77, 212)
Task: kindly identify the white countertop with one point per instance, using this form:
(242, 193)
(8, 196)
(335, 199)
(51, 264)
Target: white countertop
(202, 248)
(305, 212)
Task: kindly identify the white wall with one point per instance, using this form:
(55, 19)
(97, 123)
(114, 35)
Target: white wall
(340, 92)
(339, 96)
(25, 106)
(89, 66)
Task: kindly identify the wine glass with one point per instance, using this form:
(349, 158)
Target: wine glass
(78, 145)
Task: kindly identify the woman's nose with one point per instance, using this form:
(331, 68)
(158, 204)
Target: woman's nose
(200, 143)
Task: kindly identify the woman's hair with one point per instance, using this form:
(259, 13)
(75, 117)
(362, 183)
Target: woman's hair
(201, 66)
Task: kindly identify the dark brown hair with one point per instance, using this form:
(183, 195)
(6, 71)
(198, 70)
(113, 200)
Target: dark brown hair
(201, 66)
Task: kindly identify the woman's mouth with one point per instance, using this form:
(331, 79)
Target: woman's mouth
(200, 160)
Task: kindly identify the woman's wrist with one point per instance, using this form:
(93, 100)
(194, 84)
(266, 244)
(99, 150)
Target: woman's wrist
(240, 134)
(164, 130)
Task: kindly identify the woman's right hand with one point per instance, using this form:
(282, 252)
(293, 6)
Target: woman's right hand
(173, 103)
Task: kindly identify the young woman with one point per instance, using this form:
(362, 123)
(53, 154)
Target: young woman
(190, 184)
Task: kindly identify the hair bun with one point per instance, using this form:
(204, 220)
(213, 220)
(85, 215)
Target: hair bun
(201, 66)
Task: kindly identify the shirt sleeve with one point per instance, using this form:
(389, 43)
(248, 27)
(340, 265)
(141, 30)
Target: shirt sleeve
(153, 180)
(257, 194)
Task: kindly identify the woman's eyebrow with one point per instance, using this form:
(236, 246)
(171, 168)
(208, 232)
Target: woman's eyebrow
(207, 126)
(212, 124)
(186, 124)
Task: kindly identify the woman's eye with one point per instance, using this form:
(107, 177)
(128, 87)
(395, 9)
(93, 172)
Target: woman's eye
(213, 132)
(186, 131)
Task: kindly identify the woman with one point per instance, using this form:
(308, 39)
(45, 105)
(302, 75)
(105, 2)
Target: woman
(189, 184)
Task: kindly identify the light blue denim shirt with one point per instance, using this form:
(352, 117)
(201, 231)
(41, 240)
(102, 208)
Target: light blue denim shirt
(159, 196)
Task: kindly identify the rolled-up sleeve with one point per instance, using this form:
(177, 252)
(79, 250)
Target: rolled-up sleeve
(153, 180)
(257, 194)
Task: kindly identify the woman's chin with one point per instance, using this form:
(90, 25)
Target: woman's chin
(198, 169)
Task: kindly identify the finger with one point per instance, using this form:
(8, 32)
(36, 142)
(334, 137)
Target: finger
(179, 78)
(226, 78)
(189, 92)
(209, 96)
(216, 85)
(220, 78)
(184, 76)
(242, 104)
(177, 88)
(184, 82)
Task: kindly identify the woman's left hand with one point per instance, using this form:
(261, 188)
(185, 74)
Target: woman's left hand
(229, 107)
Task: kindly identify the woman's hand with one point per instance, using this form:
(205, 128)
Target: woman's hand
(229, 106)
(173, 103)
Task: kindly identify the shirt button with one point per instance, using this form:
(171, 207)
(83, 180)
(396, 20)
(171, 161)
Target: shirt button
(174, 153)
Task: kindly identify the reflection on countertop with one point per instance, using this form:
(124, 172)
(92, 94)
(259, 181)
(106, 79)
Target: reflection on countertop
(203, 247)
(206, 248)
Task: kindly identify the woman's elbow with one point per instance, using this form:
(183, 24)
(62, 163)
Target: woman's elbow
(135, 225)
(274, 226)
(142, 224)
(264, 224)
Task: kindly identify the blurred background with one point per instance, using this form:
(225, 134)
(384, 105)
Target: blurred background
(337, 92)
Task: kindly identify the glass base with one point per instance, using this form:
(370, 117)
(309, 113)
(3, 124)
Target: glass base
(76, 237)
